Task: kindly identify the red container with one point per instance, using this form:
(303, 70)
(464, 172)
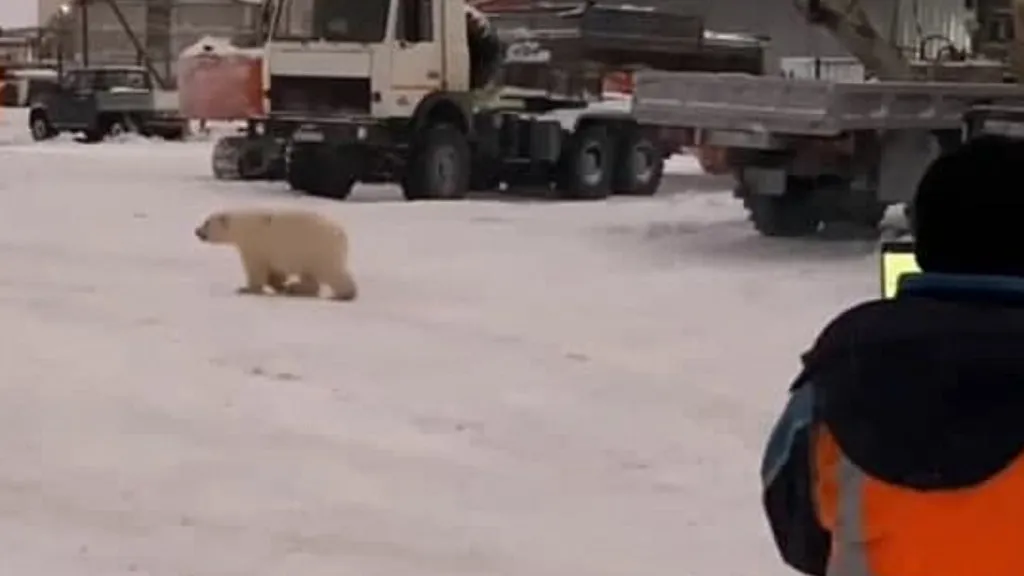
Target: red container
(218, 81)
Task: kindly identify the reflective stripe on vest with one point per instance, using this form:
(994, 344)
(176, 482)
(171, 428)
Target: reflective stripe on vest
(849, 556)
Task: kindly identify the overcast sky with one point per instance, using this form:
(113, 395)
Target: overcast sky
(17, 13)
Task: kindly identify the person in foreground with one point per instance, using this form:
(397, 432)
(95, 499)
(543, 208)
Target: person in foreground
(901, 449)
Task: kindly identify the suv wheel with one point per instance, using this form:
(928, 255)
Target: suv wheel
(40, 127)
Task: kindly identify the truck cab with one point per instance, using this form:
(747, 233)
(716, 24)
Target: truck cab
(373, 58)
(425, 94)
(104, 101)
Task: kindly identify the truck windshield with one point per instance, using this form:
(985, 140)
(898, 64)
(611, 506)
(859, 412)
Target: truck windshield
(332, 20)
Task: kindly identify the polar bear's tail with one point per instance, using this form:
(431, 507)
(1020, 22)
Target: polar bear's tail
(344, 286)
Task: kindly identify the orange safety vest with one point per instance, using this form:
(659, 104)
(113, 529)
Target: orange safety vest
(883, 530)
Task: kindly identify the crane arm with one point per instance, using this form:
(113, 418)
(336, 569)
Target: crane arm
(848, 22)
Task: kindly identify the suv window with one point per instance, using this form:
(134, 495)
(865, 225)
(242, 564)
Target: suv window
(120, 79)
(71, 81)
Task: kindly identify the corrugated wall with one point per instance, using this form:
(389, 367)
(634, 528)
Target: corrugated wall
(943, 21)
(908, 21)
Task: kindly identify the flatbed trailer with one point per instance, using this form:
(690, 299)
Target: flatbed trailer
(806, 152)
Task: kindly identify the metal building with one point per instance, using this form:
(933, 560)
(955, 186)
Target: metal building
(911, 24)
(122, 31)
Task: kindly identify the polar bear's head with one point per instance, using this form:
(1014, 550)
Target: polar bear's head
(216, 229)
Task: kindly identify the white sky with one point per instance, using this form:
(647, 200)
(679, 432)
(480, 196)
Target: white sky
(17, 13)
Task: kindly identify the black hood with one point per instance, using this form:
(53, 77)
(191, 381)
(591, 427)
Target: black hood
(927, 390)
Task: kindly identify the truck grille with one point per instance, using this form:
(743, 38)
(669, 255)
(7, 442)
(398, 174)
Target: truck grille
(320, 96)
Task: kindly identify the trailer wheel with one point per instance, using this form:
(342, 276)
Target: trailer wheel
(850, 208)
(792, 215)
(586, 168)
(639, 166)
(439, 165)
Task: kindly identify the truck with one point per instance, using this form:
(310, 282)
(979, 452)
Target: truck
(102, 101)
(809, 153)
(443, 99)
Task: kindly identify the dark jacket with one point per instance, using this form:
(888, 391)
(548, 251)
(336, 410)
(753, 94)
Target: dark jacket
(925, 391)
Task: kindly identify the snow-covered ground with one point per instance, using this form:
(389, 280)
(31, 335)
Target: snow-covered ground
(523, 389)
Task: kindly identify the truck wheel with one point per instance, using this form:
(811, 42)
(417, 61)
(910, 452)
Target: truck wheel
(93, 135)
(439, 166)
(227, 158)
(485, 176)
(317, 170)
(117, 127)
(869, 215)
(586, 168)
(166, 134)
(851, 209)
(792, 215)
(40, 126)
(298, 166)
(639, 166)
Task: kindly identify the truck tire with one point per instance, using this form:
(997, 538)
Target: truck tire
(792, 215)
(298, 166)
(439, 165)
(243, 158)
(586, 168)
(118, 127)
(93, 135)
(172, 134)
(40, 126)
(869, 215)
(639, 166)
(485, 176)
(840, 204)
(226, 158)
(317, 170)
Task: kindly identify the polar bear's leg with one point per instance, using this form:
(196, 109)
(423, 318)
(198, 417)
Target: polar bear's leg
(308, 285)
(278, 281)
(342, 284)
(257, 274)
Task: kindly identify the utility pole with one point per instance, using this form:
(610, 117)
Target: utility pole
(84, 31)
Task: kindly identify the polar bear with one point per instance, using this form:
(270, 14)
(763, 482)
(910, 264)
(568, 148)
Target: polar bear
(276, 245)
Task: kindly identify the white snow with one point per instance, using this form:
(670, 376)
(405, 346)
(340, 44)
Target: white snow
(682, 164)
(523, 389)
